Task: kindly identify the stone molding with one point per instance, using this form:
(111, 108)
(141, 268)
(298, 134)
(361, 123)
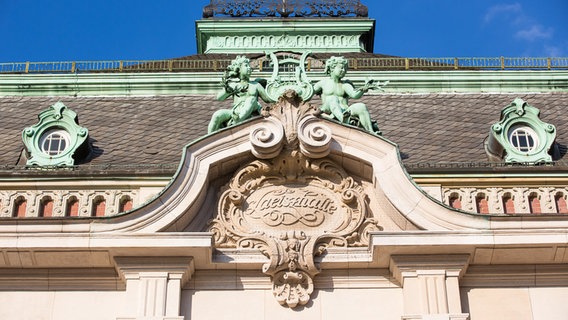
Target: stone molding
(520, 246)
(60, 279)
(368, 278)
(514, 276)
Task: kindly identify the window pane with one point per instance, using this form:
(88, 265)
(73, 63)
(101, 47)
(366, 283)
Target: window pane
(54, 142)
(523, 139)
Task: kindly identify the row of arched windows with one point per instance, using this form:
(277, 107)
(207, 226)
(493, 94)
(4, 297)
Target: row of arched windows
(508, 203)
(46, 206)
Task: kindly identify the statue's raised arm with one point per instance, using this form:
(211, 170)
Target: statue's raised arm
(245, 92)
(336, 92)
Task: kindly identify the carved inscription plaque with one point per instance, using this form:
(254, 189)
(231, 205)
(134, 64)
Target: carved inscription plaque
(292, 207)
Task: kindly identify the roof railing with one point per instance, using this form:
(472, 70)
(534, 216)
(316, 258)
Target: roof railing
(215, 65)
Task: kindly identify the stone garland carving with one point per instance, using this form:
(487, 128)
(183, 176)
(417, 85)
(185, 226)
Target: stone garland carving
(294, 205)
(285, 8)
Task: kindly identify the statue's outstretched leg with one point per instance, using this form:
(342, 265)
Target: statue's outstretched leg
(219, 120)
(360, 111)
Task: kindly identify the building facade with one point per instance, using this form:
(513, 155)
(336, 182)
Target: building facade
(117, 203)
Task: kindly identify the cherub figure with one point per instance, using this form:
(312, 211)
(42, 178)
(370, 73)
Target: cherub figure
(237, 83)
(335, 94)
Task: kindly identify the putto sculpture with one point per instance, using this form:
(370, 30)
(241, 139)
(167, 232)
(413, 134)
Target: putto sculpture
(334, 90)
(245, 92)
(335, 93)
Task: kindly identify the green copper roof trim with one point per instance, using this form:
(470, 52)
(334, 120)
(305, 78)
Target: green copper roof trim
(535, 141)
(56, 117)
(207, 83)
(253, 35)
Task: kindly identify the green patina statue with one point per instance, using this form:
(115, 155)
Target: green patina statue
(335, 94)
(237, 83)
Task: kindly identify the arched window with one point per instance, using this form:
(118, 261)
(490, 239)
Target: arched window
(534, 203)
(99, 207)
(46, 207)
(508, 204)
(560, 201)
(125, 204)
(72, 209)
(454, 201)
(19, 209)
(481, 203)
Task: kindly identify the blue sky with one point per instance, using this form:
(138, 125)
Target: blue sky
(57, 30)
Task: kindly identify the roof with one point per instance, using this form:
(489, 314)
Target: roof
(429, 128)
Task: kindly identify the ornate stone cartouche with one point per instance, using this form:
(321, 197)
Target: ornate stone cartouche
(293, 202)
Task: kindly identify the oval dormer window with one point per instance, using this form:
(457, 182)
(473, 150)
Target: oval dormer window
(54, 142)
(523, 138)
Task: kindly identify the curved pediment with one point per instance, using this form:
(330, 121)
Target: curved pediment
(291, 130)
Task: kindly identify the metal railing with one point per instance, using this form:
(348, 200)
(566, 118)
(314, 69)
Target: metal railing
(496, 63)
(378, 63)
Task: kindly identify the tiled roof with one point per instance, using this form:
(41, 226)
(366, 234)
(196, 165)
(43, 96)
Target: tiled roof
(433, 128)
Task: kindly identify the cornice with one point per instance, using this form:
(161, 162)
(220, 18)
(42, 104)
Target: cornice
(255, 35)
(207, 83)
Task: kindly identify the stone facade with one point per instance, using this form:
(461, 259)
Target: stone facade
(289, 213)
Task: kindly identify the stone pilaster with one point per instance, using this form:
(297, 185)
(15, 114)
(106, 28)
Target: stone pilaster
(154, 284)
(430, 285)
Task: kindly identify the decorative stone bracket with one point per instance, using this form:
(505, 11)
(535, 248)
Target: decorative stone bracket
(155, 283)
(430, 285)
(293, 203)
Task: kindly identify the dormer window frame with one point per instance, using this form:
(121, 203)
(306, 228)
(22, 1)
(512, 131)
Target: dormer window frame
(56, 120)
(520, 136)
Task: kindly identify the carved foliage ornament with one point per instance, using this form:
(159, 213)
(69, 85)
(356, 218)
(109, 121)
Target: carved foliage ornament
(294, 205)
(285, 8)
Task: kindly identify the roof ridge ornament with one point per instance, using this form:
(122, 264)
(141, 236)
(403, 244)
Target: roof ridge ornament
(285, 8)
